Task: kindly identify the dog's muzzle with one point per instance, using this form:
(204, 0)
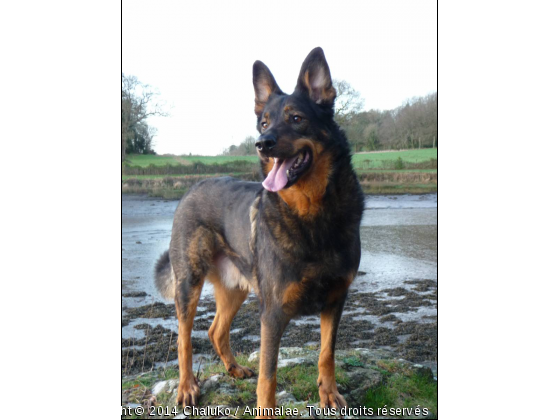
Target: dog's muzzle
(265, 143)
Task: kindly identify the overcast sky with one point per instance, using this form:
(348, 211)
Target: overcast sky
(199, 55)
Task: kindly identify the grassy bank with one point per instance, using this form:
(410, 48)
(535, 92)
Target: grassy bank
(374, 384)
(373, 182)
(401, 172)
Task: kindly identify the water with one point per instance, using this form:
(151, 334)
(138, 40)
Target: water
(398, 233)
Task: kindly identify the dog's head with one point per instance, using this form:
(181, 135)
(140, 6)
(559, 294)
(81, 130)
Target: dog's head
(295, 144)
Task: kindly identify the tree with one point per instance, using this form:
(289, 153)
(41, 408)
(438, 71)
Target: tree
(138, 102)
(141, 141)
(347, 104)
(246, 148)
(371, 137)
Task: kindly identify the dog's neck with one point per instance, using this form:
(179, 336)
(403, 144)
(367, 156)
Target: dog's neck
(305, 197)
(332, 185)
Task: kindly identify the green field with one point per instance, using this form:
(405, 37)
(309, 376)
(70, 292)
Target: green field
(171, 176)
(125, 177)
(375, 158)
(146, 160)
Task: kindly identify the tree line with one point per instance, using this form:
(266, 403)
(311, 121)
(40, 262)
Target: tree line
(411, 125)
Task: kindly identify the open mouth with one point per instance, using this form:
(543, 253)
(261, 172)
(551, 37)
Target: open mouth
(286, 172)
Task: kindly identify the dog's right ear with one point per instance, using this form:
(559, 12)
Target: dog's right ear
(264, 84)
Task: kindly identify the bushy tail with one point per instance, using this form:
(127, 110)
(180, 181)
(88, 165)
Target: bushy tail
(164, 277)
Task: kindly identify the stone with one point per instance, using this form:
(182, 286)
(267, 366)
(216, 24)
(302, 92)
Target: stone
(359, 381)
(254, 357)
(284, 397)
(165, 386)
(292, 362)
(291, 356)
(211, 383)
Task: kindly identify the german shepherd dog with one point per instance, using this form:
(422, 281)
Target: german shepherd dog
(294, 239)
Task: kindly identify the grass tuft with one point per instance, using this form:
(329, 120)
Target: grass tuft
(402, 387)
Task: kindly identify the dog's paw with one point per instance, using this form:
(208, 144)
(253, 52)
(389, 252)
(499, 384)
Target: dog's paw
(241, 372)
(188, 393)
(330, 397)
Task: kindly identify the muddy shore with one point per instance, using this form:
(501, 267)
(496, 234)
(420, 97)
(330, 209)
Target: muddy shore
(392, 304)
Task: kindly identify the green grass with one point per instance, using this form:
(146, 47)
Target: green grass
(358, 159)
(301, 381)
(413, 156)
(146, 160)
(367, 171)
(125, 177)
(402, 388)
(392, 188)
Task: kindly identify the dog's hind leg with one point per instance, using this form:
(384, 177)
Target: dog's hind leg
(186, 302)
(228, 302)
(190, 268)
(328, 392)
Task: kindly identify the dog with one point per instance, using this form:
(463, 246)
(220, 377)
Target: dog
(294, 239)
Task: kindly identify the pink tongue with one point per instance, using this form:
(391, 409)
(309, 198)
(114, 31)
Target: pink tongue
(277, 178)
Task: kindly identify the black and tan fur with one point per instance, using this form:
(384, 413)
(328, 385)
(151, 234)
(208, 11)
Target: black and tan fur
(298, 248)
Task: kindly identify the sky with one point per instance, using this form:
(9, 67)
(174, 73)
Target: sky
(199, 56)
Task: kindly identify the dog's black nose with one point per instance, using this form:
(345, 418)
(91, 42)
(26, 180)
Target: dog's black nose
(265, 142)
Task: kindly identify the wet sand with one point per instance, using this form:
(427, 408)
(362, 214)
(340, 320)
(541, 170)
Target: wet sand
(392, 303)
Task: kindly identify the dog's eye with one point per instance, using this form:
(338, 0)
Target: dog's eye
(264, 124)
(296, 118)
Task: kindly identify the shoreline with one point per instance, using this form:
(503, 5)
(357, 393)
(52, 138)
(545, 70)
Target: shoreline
(372, 183)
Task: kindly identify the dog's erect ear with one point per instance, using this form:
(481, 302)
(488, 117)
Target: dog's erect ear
(264, 84)
(315, 78)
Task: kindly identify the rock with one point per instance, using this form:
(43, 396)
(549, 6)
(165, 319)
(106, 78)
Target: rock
(211, 383)
(158, 387)
(285, 397)
(134, 294)
(290, 356)
(293, 362)
(254, 357)
(165, 386)
(359, 381)
(291, 352)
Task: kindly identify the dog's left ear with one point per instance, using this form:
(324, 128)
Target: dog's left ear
(315, 78)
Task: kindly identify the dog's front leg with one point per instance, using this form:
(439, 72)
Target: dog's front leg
(272, 328)
(328, 392)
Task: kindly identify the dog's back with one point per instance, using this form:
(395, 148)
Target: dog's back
(215, 218)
